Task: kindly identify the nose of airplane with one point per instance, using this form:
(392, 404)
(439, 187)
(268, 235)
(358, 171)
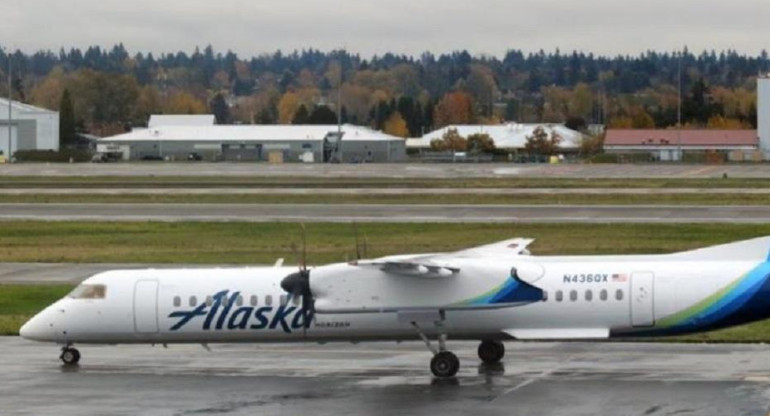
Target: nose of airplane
(37, 329)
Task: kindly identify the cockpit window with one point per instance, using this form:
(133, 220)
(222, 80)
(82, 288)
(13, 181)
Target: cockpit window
(89, 291)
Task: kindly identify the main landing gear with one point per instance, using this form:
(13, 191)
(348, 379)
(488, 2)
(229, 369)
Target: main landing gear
(69, 355)
(491, 352)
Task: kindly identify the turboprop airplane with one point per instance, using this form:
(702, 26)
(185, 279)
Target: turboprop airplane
(490, 293)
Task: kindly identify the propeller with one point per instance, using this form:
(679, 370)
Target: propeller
(298, 283)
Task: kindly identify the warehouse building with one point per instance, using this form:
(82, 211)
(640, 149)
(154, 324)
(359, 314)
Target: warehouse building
(671, 144)
(508, 136)
(32, 128)
(197, 139)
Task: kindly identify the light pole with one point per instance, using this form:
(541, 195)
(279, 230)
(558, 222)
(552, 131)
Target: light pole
(10, 101)
(679, 111)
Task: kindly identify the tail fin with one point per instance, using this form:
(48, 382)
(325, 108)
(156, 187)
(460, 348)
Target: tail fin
(753, 249)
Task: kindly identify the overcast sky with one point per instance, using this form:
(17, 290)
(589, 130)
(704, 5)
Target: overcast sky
(368, 27)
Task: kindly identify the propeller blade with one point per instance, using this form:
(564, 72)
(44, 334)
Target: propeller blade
(304, 247)
(358, 246)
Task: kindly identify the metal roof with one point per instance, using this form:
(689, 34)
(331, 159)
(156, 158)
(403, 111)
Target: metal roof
(247, 133)
(157, 120)
(24, 108)
(674, 137)
(505, 136)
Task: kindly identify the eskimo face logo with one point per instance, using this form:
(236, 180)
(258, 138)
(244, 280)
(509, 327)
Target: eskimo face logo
(222, 315)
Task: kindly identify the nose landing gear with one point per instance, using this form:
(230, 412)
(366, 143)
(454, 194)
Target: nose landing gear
(69, 355)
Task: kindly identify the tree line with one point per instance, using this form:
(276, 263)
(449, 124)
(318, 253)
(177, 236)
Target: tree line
(112, 90)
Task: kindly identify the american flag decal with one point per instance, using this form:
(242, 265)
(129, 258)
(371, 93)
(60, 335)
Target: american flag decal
(619, 277)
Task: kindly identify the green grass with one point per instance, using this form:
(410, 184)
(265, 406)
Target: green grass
(448, 198)
(247, 243)
(19, 302)
(333, 182)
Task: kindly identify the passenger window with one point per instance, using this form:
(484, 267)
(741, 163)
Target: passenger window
(269, 300)
(209, 300)
(603, 294)
(559, 296)
(589, 295)
(284, 300)
(193, 301)
(545, 296)
(253, 300)
(177, 301)
(573, 295)
(296, 300)
(89, 291)
(239, 301)
(619, 294)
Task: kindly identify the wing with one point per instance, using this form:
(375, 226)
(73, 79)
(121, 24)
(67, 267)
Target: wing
(505, 248)
(440, 265)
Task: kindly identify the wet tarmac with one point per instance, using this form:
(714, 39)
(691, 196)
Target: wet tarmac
(409, 213)
(386, 379)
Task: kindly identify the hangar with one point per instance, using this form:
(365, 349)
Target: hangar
(32, 128)
(198, 138)
(509, 136)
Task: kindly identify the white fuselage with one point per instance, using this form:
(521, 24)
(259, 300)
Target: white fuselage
(586, 297)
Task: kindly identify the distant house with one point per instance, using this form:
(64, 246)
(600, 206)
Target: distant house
(509, 136)
(665, 145)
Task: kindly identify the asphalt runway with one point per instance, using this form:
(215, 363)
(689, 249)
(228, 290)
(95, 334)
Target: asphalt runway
(384, 170)
(386, 379)
(387, 213)
(353, 191)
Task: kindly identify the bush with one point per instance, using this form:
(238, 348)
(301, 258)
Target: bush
(52, 156)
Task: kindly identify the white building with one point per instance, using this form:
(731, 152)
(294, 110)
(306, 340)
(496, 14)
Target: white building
(161, 120)
(510, 136)
(763, 114)
(32, 128)
(290, 143)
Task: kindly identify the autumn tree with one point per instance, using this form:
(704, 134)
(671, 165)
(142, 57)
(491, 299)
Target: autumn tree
(481, 143)
(540, 143)
(181, 102)
(396, 125)
(287, 107)
(454, 108)
(451, 140)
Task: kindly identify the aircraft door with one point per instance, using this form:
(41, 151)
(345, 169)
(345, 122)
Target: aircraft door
(146, 307)
(642, 299)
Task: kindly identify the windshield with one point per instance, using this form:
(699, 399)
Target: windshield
(89, 291)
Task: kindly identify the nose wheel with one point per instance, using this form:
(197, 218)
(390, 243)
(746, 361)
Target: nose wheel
(69, 355)
(444, 364)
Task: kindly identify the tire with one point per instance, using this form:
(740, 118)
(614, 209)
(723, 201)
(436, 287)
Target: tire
(491, 352)
(444, 364)
(70, 356)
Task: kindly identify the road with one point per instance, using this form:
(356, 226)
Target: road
(385, 379)
(387, 213)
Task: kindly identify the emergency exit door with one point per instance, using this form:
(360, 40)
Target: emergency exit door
(642, 299)
(146, 307)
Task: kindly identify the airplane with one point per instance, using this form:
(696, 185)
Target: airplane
(491, 293)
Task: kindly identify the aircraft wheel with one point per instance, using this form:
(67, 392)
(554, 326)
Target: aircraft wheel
(70, 356)
(491, 352)
(444, 364)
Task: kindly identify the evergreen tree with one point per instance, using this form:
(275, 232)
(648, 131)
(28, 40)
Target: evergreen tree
(301, 116)
(219, 108)
(322, 115)
(67, 122)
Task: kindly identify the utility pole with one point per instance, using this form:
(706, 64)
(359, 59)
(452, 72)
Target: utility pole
(10, 100)
(679, 111)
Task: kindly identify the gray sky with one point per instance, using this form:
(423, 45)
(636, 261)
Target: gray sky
(250, 27)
